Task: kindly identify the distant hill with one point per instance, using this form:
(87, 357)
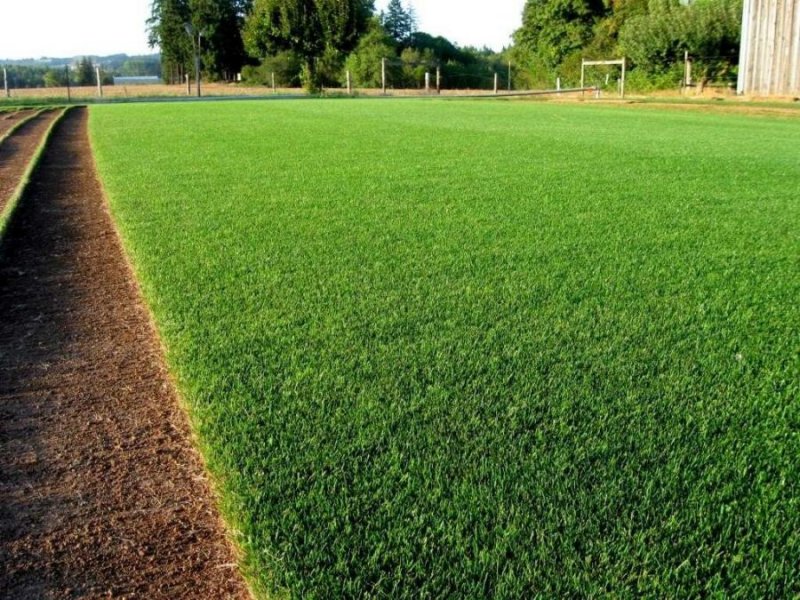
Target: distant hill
(113, 62)
(49, 71)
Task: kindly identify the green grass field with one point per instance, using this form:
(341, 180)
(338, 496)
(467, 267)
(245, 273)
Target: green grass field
(480, 349)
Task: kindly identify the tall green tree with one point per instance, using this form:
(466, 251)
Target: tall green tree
(167, 30)
(708, 29)
(84, 72)
(552, 29)
(219, 23)
(55, 77)
(398, 21)
(364, 63)
(309, 28)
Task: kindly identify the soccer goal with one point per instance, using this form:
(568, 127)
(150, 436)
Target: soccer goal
(594, 63)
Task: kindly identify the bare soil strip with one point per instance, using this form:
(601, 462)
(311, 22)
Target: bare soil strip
(17, 150)
(11, 118)
(101, 491)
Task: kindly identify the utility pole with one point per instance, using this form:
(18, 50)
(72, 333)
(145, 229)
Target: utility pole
(687, 70)
(99, 81)
(438, 79)
(5, 83)
(495, 82)
(197, 63)
(196, 46)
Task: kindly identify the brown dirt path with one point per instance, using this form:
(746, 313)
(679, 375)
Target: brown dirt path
(101, 491)
(17, 150)
(10, 118)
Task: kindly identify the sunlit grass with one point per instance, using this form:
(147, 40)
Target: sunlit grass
(478, 349)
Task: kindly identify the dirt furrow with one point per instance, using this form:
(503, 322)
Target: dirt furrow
(17, 151)
(101, 491)
(10, 118)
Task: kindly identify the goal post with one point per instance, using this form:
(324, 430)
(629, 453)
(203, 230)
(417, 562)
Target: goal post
(590, 63)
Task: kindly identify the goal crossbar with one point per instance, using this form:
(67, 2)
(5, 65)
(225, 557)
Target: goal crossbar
(591, 63)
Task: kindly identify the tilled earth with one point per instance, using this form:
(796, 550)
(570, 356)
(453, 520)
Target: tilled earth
(101, 491)
(10, 118)
(17, 150)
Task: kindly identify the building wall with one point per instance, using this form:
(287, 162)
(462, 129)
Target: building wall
(769, 61)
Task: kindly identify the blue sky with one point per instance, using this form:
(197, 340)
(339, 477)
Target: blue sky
(36, 28)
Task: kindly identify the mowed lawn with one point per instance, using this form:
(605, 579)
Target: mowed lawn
(480, 349)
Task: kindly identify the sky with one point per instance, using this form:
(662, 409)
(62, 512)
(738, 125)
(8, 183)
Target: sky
(467, 22)
(55, 28)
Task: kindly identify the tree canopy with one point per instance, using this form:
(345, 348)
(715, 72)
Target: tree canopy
(653, 34)
(84, 72)
(308, 28)
(364, 63)
(398, 21)
(707, 29)
(327, 37)
(553, 28)
(219, 23)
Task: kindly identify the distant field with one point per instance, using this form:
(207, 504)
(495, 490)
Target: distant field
(122, 92)
(480, 349)
(119, 92)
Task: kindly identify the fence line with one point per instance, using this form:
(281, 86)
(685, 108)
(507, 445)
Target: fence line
(427, 82)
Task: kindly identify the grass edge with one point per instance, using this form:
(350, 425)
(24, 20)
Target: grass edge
(228, 517)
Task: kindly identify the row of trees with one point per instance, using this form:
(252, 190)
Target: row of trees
(213, 28)
(314, 42)
(310, 42)
(317, 31)
(653, 34)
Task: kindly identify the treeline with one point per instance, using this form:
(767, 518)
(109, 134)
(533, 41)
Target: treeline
(654, 35)
(316, 42)
(79, 72)
(213, 28)
(312, 43)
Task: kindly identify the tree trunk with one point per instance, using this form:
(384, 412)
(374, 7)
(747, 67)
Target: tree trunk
(311, 76)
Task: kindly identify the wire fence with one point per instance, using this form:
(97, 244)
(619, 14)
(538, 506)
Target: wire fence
(392, 76)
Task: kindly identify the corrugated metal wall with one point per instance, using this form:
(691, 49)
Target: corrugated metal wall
(769, 61)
